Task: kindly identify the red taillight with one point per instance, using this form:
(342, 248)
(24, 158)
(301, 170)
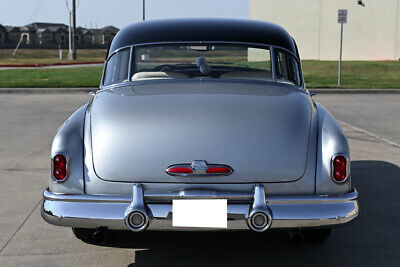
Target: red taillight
(339, 168)
(59, 167)
(218, 170)
(179, 170)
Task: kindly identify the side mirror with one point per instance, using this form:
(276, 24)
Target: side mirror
(92, 93)
(313, 93)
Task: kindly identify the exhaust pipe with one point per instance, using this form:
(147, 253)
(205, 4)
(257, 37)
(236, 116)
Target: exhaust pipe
(137, 218)
(260, 218)
(100, 236)
(260, 221)
(137, 221)
(296, 236)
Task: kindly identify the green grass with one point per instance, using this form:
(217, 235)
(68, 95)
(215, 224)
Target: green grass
(318, 74)
(48, 56)
(355, 74)
(59, 77)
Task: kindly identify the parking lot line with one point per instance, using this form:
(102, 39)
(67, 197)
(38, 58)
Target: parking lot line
(19, 227)
(370, 134)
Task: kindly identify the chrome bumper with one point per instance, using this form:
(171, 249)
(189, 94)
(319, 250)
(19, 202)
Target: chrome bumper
(92, 211)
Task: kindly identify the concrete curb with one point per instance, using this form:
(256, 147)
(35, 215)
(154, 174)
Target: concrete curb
(89, 89)
(354, 91)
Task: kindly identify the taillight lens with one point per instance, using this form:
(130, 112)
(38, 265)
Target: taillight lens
(218, 170)
(339, 168)
(179, 170)
(59, 167)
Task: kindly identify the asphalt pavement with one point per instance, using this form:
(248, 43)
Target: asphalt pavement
(28, 124)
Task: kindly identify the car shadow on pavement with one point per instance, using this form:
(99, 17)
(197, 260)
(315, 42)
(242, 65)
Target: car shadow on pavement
(369, 240)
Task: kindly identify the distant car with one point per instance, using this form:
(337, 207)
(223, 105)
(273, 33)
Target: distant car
(200, 124)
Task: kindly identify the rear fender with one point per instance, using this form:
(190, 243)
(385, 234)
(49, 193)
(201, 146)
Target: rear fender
(331, 141)
(69, 141)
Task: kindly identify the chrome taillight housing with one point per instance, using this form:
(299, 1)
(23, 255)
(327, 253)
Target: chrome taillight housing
(59, 164)
(340, 168)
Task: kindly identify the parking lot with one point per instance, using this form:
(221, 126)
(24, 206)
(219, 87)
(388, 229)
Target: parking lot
(28, 124)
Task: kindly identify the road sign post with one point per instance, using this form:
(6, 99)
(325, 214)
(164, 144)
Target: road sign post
(342, 18)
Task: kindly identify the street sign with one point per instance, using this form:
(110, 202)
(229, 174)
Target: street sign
(342, 16)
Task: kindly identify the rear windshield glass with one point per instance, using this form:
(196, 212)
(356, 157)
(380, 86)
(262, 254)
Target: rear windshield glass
(286, 68)
(218, 61)
(117, 68)
(187, 61)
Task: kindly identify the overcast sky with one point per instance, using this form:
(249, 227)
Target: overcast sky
(117, 12)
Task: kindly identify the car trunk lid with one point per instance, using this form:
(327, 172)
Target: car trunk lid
(261, 131)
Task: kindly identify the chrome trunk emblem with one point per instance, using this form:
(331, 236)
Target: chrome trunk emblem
(198, 168)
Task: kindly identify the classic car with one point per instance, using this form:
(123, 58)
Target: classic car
(201, 124)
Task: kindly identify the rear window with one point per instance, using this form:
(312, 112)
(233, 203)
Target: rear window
(117, 68)
(189, 61)
(286, 68)
(217, 61)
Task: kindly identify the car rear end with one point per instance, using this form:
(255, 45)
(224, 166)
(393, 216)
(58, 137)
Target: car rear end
(218, 132)
(140, 156)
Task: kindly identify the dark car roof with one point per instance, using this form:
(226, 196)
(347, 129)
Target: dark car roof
(221, 30)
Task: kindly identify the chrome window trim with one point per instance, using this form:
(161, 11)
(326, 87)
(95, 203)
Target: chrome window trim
(66, 167)
(117, 50)
(271, 48)
(272, 51)
(130, 64)
(347, 168)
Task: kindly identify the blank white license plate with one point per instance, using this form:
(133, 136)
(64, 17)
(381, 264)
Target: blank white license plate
(209, 213)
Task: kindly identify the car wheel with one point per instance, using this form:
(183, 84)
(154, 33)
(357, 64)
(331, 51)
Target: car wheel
(90, 235)
(317, 235)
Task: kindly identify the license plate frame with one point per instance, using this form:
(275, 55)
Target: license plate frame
(200, 213)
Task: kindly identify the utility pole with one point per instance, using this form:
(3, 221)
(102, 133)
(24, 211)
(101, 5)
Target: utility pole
(73, 30)
(69, 31)
(144, 10)
(69, 36)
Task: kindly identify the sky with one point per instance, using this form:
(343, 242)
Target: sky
(100, 13)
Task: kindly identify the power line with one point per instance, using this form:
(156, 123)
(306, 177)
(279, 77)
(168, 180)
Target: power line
(40, 5)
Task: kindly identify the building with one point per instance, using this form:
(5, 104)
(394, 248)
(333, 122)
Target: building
(48, 33)
(372, 31)
(101, 36)
(13, 34)
(52, 35)
(3, 34)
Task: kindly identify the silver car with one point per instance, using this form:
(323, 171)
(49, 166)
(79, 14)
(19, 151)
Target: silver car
(201, 124)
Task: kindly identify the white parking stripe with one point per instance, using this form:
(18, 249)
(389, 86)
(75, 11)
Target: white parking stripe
(370, 134)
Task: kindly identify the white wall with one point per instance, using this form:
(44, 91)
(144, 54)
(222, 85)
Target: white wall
(371, 33)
